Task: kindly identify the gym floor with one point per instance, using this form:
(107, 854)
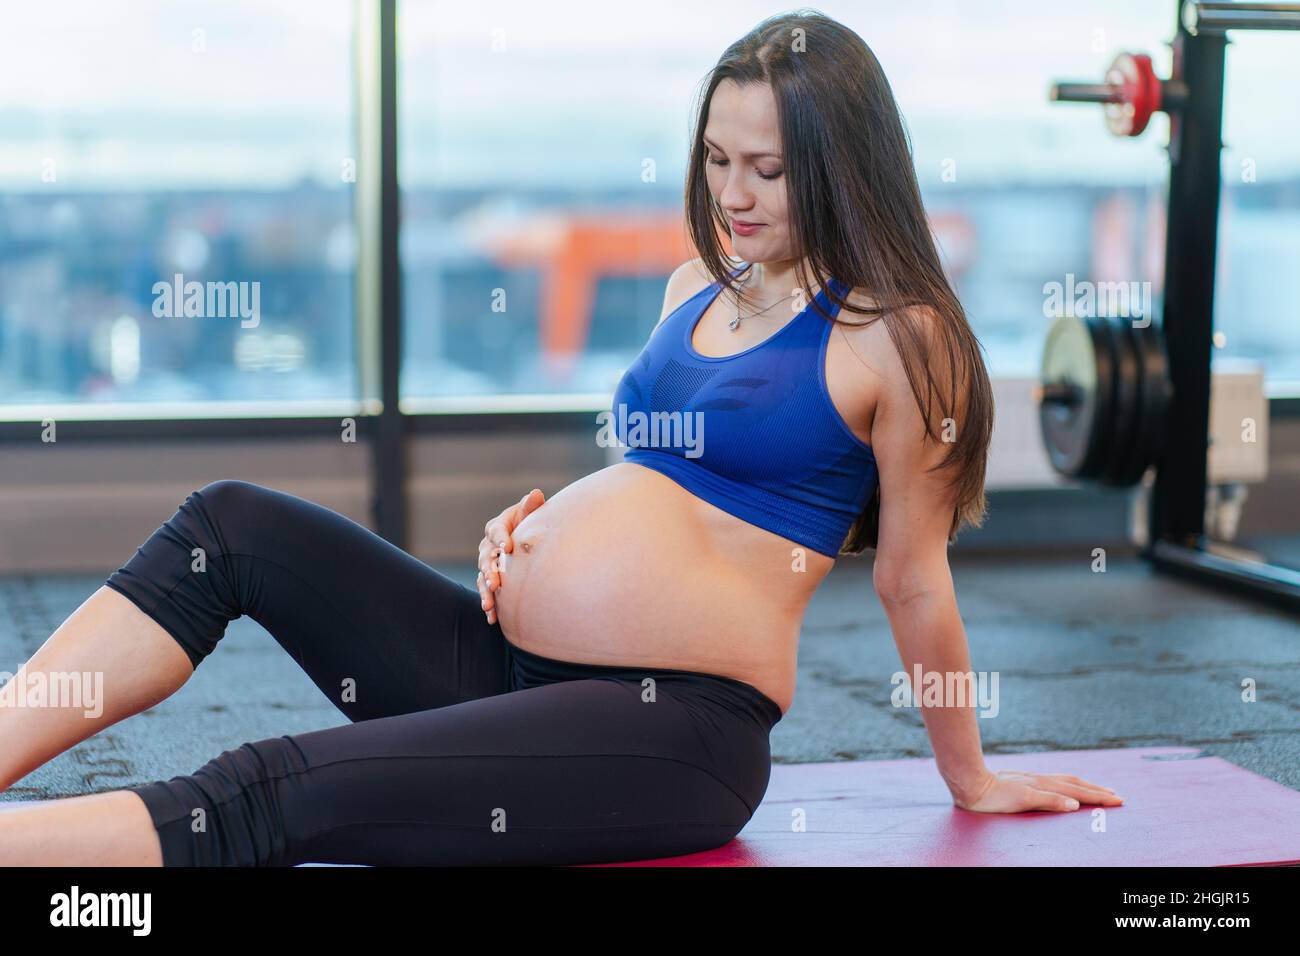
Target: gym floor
(1120, 658)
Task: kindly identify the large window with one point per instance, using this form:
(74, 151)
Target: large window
(208, 148)
(150, 147)
(542, 162)
(535, 248)
(1255, 316)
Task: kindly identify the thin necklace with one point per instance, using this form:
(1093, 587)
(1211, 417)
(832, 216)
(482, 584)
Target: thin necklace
(735, 323)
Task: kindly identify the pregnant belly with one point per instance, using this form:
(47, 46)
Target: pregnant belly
(624, 566)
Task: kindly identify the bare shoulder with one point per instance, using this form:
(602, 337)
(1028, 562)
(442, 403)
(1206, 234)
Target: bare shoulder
(858, 361)
(685, 281)
(939, 379)
(866, 336)
(869, 336)
(865, 369)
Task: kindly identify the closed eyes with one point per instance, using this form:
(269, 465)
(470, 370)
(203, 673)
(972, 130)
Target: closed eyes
(761, 174)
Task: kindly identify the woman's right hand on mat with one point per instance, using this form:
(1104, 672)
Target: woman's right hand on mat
(496, 541)
(1015, 791)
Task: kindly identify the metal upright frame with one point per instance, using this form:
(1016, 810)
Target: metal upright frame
(1177, 542)
(379, 269)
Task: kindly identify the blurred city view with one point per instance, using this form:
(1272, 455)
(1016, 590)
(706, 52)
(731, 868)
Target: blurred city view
(523, 150)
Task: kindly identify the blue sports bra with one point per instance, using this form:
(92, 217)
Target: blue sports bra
(755, 433)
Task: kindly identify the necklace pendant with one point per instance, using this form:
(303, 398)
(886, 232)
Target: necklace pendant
(733, 323)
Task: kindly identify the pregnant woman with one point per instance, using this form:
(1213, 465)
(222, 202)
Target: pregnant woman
(608, 691)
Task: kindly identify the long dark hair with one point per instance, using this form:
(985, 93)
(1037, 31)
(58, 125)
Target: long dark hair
(856, 215)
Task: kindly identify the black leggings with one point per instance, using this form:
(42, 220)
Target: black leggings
(464, 748)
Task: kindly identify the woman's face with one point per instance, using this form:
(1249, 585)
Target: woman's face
(744, 169)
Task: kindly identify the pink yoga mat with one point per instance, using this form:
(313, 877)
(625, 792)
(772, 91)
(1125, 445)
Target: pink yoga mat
(1180, 809)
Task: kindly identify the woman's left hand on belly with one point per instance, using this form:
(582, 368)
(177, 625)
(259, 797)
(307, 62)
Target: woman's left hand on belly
(497, 544)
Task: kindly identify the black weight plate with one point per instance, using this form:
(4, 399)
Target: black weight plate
(1103, 423)
(1077, 370)
(1069, 365)
(1138, 456)
(1157, 371)
(1128, 376)
(1154, 399)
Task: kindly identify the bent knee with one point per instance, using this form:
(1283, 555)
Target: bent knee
(229, 495)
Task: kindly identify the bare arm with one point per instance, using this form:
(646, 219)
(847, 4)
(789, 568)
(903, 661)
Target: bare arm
(911, 575)
(913, 580)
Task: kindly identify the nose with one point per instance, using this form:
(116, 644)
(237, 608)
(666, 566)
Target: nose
(734, 197)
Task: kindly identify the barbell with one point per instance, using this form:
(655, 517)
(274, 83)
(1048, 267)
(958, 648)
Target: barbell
(1130, 93)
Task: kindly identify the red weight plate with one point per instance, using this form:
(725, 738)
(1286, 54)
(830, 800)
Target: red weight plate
(1135, 78)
